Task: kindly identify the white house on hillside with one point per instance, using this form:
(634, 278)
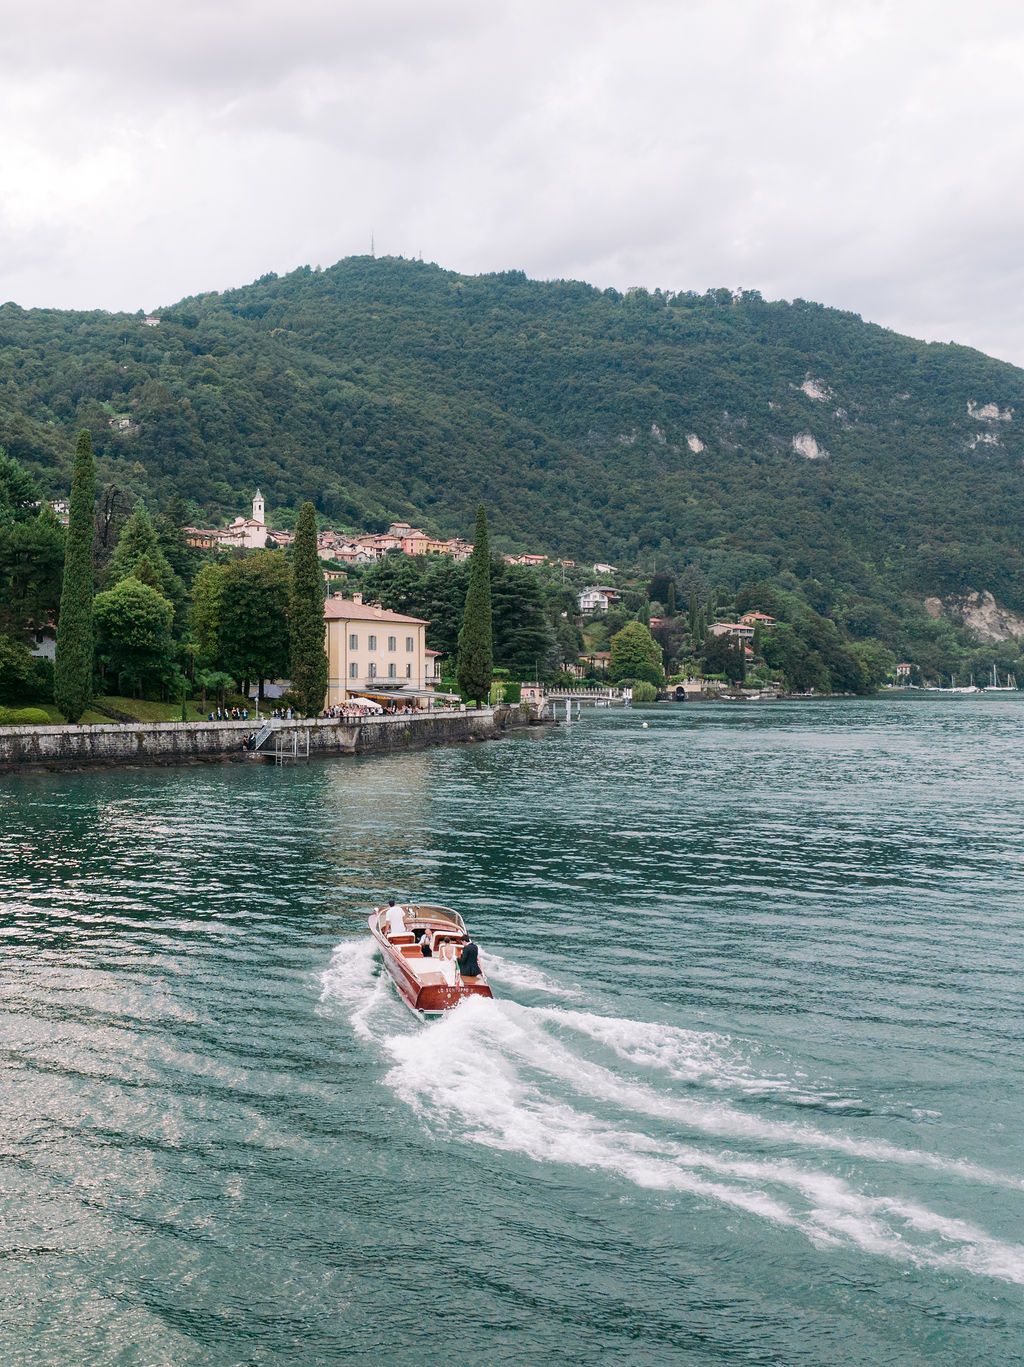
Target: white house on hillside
(596, 598)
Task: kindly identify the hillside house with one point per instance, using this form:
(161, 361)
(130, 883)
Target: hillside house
(597, 662)
(410, 540)
(596, 598)
(739, 631)
(200, 539)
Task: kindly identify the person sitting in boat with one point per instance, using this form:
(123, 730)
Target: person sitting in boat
(428, 953)
(447, 950)
(468, 960)
(396, 918)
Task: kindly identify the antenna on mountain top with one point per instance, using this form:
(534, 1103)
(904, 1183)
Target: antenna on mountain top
(373, 252)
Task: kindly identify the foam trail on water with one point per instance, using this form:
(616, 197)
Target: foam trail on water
(713, 1117)
(686, 1055)
(524, 976)
(351, 979)
(484, 1074)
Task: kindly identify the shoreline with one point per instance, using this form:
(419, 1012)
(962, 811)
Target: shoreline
(26, 749)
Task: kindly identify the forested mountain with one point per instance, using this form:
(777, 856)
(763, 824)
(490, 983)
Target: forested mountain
(651, 429)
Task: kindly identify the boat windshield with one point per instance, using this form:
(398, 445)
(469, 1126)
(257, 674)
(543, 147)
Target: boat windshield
(435, 916)
(419, 915)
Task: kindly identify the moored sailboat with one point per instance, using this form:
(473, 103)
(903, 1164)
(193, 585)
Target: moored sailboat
(1010, 686)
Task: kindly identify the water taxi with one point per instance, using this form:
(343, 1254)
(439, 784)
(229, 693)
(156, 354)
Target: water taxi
(421, 946)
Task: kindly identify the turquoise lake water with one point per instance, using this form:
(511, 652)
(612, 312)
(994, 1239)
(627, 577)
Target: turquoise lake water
(751, 1091)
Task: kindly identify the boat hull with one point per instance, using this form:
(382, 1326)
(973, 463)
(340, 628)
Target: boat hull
(423, 990)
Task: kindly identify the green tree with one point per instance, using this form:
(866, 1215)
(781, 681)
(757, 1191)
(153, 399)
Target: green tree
(73, 666)
(875, 662)
(17, 673)
(31, 562)
(723, 655)
(133, 634)
(254, 617)
(801, 666)
(205, 613)
(18, 492)
(636, 655)
(522, 632)
(476, 639)
(181, 557)
(139, 553)
(306, 620)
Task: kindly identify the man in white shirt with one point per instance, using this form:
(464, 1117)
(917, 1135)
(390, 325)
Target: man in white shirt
(396, 918)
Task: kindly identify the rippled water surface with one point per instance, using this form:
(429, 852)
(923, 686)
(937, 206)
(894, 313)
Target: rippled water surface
(751, 1091)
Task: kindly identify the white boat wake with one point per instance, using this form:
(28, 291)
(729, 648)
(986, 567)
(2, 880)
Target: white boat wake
(520, 1079)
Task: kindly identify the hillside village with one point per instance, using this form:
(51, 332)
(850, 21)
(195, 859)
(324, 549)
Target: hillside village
(219, 612)
(342, 548)
(735, 645)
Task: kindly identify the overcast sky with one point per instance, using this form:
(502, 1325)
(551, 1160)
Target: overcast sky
(861, 153)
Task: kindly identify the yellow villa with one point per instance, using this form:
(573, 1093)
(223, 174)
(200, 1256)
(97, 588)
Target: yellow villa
(372, 652)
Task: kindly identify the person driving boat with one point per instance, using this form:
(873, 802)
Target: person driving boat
(396, 918)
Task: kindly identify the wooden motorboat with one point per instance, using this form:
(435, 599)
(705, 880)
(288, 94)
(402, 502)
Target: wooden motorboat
(430, 984)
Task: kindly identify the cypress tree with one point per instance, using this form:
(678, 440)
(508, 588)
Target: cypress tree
(670, 601)
(308, 657)
(73, 665)
(475, 664)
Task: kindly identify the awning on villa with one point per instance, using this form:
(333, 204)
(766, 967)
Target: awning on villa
(397, 694)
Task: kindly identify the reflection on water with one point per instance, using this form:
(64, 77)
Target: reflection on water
(750, 1091)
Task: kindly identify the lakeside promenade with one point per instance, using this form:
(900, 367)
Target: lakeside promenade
(121, 743)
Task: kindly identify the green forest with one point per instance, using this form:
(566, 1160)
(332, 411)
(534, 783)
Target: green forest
(652, 429)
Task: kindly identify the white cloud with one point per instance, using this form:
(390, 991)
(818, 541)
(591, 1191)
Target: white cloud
(864, 155)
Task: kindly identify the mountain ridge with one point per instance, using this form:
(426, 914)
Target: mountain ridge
(650, 428)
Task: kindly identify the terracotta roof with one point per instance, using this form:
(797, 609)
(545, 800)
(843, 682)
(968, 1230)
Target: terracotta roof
(344, 609)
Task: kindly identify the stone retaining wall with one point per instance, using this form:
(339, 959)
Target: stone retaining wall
(72, 747)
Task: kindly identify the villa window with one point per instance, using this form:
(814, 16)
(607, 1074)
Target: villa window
(392, 643)
(353, 670)
(372, 672)
(372, 643)
(408, 671)
(353, 641)
(392, 671)
(410, 644)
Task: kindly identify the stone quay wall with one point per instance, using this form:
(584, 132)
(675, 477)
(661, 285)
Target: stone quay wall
(75, 747)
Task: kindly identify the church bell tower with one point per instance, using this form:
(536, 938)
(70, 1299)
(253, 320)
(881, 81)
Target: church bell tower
(257, 508)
